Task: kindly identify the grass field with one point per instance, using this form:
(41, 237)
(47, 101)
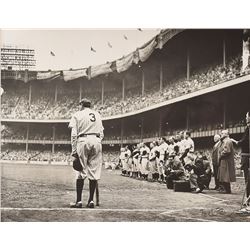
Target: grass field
(43, 193)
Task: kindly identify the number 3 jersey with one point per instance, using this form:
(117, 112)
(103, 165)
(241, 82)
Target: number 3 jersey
(86, 121)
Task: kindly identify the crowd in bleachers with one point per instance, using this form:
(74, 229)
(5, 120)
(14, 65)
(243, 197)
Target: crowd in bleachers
(48, 156)
(177, 87)
(22, 155)
(15, 133)
(15, 104)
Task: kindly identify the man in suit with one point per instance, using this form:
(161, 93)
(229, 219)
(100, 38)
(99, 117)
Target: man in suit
(226, 171)
(215, 160)
(174, 170)
(199, 173)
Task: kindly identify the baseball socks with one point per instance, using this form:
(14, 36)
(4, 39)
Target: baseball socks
(97, 195)
(92, 187)
(79, 188)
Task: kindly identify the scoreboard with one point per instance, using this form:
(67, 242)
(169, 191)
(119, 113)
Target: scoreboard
(14, 58)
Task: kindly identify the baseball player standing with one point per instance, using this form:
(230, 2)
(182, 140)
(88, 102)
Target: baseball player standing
(135, 157)
(152, 160)
(163, 150)
(144, 152)
(86, 137)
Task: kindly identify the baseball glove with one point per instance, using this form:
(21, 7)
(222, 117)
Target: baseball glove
(77, 164)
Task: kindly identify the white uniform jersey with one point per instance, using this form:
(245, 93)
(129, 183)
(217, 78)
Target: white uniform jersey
(189, 144)
(86, 121)
(122, 156)
(163, 149)
(145, 148)
(127, 154)
(152, 153)
(171, 148)
(182, 146)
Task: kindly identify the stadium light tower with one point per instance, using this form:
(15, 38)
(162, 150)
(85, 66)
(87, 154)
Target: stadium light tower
(17, 58)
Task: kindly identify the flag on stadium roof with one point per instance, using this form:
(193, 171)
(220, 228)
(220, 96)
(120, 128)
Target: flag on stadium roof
(141, 54)
(92, 49)
(110, 45)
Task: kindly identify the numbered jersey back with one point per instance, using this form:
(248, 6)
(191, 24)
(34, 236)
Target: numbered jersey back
(87, 121)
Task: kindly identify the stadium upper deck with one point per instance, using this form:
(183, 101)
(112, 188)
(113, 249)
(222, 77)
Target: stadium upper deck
(137, 100)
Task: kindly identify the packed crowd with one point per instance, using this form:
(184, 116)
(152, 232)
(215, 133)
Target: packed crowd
(47, 156)
(177, 87)
(13, 132)
(174, 161)
(43, 105)
(35, 155)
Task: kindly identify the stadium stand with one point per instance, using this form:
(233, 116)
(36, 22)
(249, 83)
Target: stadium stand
(48, 156)
(44, 107)
(58, 99)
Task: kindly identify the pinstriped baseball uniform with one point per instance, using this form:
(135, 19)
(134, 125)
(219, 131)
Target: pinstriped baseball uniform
(86, 136)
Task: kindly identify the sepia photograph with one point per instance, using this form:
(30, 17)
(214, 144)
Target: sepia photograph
(125, 125)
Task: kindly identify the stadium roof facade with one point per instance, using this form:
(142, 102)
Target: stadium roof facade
(120, 65)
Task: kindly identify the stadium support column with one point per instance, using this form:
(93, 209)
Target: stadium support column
(160, 123)
(142, 128)
(56, 93)
(27, 138)
(80, 91)
(30, 90)
(224, 51)
(123, 89)
(142, 83)
(224, 112)
(53, 136)
(188, 64)
(187, 117)
(122, 124)
(102, 92)
(161, 77)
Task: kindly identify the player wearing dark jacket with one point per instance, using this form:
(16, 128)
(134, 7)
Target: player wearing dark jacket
(174, 170)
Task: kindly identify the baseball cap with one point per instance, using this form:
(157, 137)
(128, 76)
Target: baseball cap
(85, 102)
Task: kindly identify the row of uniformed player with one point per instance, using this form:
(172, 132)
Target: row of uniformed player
(164, 161)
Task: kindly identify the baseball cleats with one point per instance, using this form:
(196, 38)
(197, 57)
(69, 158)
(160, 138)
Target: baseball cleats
(198, 190)
(76, 205)
(91, 205)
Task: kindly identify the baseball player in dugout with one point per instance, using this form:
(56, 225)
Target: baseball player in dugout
(86, 137)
